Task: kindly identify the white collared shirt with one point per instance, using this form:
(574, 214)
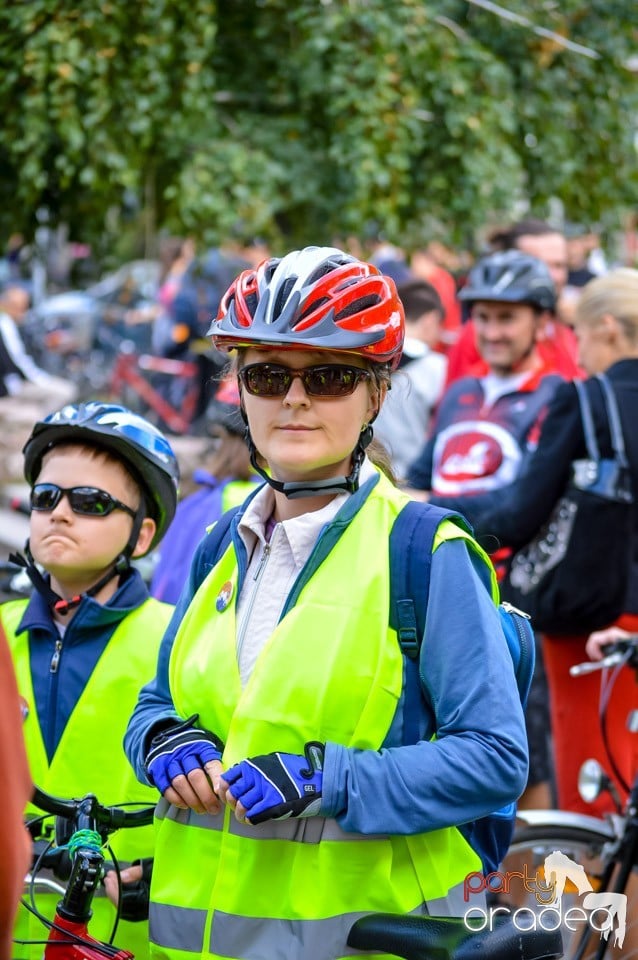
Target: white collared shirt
(274, 566)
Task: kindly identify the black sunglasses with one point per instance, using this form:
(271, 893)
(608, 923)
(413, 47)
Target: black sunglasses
(87, 501)
(323, 380)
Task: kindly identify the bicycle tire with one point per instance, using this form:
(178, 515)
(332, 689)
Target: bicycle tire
(591, 844)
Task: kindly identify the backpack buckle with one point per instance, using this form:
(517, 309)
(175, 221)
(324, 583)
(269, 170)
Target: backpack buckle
(407, 629)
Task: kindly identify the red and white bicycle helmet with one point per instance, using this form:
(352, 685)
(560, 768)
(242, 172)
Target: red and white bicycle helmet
(318, 298)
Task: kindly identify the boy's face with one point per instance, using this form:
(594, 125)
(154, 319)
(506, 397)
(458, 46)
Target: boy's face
(78, 549)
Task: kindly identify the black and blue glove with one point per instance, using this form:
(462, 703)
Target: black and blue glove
(279, 785)
(179, 749)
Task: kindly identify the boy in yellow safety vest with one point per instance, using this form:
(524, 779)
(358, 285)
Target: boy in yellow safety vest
(103, 491)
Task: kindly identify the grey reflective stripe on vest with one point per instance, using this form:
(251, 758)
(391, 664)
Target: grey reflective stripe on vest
(176, 928)
(454, 904)
(253, 938)
(303, 830)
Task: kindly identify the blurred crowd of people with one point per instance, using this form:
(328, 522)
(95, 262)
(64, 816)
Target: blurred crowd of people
(477, 407)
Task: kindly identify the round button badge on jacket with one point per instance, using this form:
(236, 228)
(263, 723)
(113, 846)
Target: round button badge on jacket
(224, 596)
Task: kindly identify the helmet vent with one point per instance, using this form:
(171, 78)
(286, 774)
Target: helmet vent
(363, 303)
(283, 294)
(313, 306)
(270, 268)
(252, 300)
(329, 266)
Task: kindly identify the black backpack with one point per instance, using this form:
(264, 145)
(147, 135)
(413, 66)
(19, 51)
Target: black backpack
(573, 576)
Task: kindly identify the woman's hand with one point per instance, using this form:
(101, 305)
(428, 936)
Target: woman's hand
(197, 789)
(222, 789)
(597, 641)
(276, 786)
(184, 763)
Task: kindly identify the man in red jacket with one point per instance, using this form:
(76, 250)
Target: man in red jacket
(487, 425)
(556, 343)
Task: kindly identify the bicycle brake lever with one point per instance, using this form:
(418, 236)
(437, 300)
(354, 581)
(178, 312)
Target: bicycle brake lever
(612, 660)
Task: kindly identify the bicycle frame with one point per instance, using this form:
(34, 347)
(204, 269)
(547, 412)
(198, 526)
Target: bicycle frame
(626, 854)
(608, 846)
(63, 945)
(624, 860)
(127, 372)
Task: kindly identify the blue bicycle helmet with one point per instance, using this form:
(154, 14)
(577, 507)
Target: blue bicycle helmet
(127, 435)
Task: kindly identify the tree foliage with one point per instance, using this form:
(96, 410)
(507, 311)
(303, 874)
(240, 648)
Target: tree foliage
(314, 119)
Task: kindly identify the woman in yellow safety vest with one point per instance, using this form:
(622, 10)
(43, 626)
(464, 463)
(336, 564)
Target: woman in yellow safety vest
(301, 786)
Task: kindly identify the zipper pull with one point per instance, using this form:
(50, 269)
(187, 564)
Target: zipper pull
(262, 562)
(55, 659)
(510, 608)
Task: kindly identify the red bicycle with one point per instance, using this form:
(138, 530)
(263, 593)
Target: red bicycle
(132, 383)
(84, 828)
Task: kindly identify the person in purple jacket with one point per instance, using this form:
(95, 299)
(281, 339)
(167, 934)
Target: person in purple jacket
(224, 482)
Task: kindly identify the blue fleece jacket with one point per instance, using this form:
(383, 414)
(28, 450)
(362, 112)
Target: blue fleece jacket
(61, 668)
(478, 761)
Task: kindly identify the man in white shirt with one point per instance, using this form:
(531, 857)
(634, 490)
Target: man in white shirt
(18, 369)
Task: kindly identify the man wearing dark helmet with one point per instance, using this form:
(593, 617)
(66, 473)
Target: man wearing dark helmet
(488, 423)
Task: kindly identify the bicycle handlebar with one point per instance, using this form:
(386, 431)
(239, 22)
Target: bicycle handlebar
(107, 818)
(619, 652)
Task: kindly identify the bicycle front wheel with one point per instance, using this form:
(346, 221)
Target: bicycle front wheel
(579, 852)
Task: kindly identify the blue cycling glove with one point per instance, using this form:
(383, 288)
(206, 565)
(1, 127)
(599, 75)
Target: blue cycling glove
(279, 785)
(178, 750)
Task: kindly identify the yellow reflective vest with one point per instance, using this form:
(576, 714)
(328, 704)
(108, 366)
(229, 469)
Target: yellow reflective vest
(332, 670)
(90, 757)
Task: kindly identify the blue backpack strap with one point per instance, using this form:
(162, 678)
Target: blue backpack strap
(411, 542)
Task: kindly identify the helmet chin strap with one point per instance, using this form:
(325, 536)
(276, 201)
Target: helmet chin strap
(296, 489)
(522, 360)
(59, 604)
